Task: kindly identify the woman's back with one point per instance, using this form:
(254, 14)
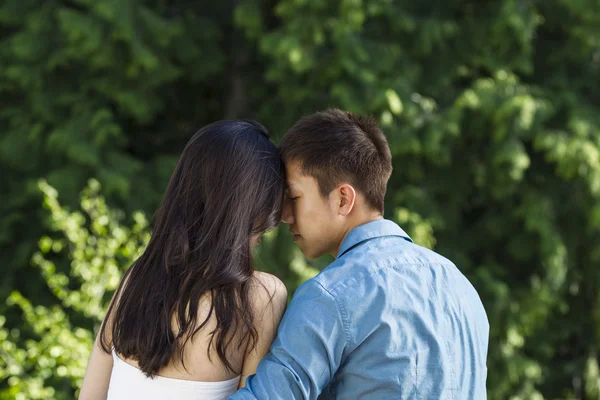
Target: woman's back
(129, 382)
(205, 376)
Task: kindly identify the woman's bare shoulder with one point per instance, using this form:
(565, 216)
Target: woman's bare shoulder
(267, 288)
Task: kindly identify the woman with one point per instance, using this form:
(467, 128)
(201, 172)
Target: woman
(191, 317)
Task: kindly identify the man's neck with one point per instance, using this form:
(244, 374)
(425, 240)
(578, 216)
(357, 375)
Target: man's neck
(354, 223)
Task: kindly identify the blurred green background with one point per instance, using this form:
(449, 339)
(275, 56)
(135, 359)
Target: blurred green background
(491, 108)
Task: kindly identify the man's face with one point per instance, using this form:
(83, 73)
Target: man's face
(313, 219)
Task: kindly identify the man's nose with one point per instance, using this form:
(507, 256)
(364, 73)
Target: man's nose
(287, 215)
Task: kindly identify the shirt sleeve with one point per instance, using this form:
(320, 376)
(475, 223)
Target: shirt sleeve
(307, 351)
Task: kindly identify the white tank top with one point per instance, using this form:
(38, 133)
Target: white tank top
(129, 382)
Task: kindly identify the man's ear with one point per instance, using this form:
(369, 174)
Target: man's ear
(346, 197)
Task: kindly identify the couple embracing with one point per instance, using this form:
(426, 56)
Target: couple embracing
(193, 319)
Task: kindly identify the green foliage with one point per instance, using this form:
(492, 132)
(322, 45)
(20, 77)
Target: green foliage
(490, 109)
(87, 86)
(82, 266)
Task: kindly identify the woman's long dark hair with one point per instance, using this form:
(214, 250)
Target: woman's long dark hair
(227, 186)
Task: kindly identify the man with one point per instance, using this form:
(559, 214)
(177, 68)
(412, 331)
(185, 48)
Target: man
(387, 319)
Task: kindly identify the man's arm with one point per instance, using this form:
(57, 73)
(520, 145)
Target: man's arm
(307, 351)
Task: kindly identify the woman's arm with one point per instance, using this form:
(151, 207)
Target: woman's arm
(97, 375)
(99, 368)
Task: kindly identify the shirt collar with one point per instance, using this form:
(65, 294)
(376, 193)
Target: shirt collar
(370, 230)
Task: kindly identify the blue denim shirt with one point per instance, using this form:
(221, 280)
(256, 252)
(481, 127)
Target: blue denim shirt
(388, 319)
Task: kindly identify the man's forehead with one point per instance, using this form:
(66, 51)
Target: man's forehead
(291, 184)
(293, 167)
(296, 179)
(292, 174)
